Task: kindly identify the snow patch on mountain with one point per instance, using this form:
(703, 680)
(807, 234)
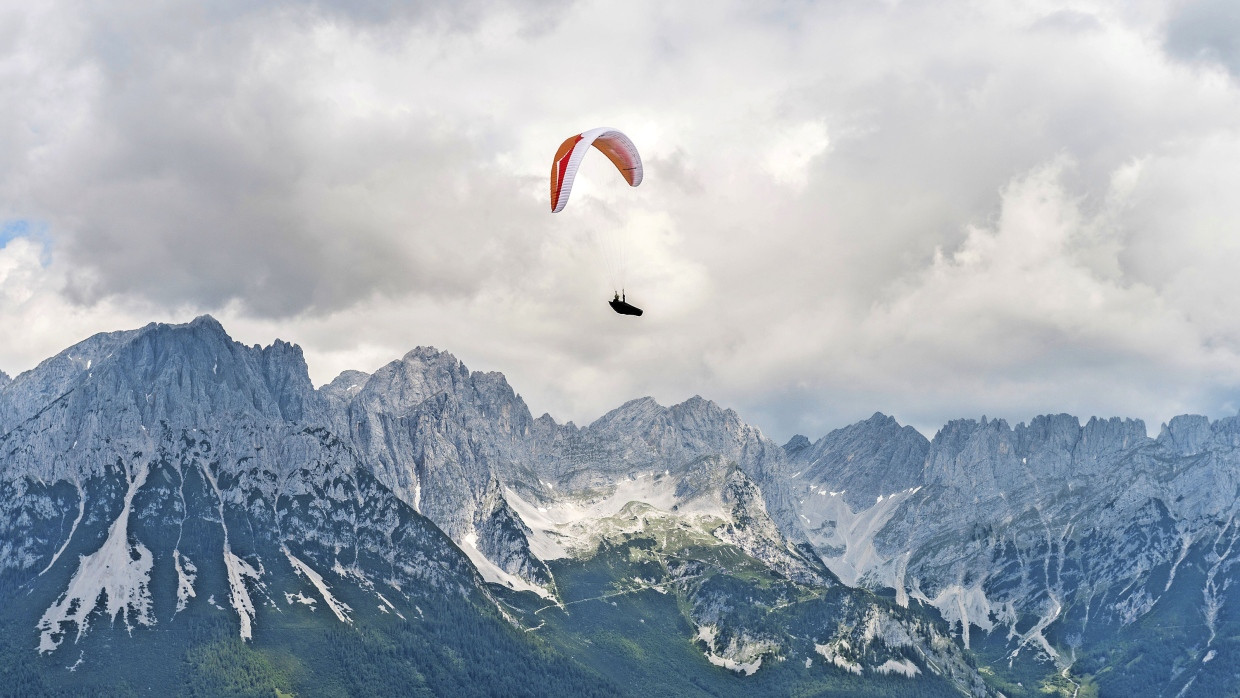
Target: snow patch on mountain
(574, 525)
(337, 607)
(300, 598)
(904, 667)
(834, 652)
(72, 529)
(706, 633)
(117, 570)
(492, 573)
(746, 668)
(238, 569)
(186, 574)
(968, 607)
(548, 539)
(238, 595)
(389, 606)
(844, 539)
(743, 654)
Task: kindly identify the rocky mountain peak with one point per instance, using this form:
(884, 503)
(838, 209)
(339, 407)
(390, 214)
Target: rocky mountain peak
(422, 373)
(796, 444)
(493, 386)
(879, 420)
(346, 385)
(434, 363)
(646, 415)
(288, 377)
(1186, 434)
(969, 454)
(31, 390)
(546, 421)
(874, 457)
(699, 412)
(438, 381)
(125, 392)
(190, 368)
(1103, 438)
(642, 410)
(1227, 431)
(958, 433)
(4, 380)
(208, 323)
(1060, 431)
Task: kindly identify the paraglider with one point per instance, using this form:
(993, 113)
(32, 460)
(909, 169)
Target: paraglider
(617, 304)
(622, 153)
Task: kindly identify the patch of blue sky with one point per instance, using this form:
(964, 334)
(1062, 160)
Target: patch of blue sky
(14, 228)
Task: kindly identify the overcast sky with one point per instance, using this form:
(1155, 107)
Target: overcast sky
(930, 209)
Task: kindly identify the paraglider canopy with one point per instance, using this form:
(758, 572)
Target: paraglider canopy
(614, 144)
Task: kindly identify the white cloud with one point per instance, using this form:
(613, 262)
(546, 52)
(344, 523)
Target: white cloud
(934, 210)
(789, 157)
(38, 321)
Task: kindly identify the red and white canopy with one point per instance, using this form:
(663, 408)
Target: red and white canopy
(614, 144)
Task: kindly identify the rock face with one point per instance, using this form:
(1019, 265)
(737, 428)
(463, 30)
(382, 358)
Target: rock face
(1046, 540)
(4, 401)
(169, 472)
(158, 473)
(32, 390)
(862, 461)
(456, 444)
(176, 429)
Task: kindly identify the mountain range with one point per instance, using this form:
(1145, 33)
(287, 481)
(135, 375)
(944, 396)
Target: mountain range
(183, 513)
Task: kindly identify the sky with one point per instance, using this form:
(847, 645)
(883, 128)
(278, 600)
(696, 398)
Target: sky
(935, 210)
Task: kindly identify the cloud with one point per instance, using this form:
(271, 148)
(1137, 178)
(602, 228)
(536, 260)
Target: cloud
(1029, 302)
(930, 209)
(789, 157)
(38, 321)
(1022, 307)
(234, 164)
(1206, 31)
